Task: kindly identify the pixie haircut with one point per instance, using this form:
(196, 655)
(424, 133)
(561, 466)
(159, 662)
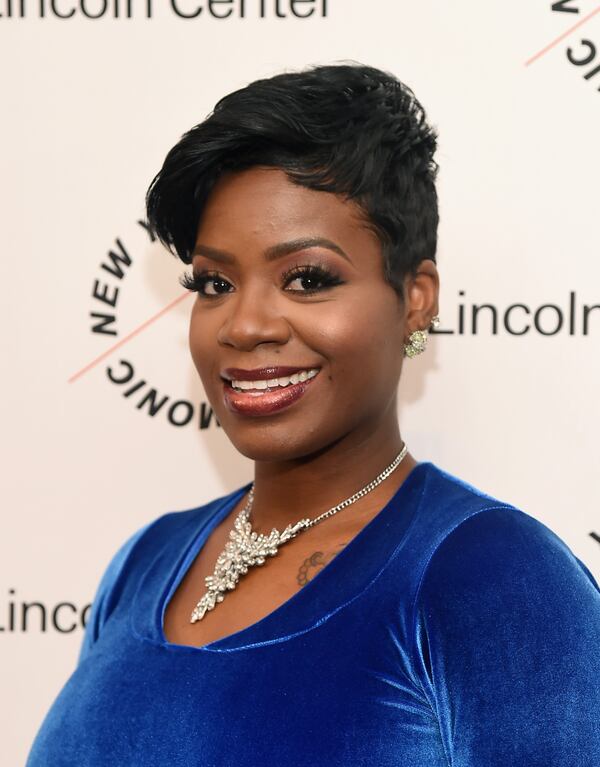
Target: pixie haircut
(344, 128)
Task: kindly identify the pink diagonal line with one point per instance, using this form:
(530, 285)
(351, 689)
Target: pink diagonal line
(128, 337)
(551, 45)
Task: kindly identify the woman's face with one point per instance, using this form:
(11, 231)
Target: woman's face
(269, 299)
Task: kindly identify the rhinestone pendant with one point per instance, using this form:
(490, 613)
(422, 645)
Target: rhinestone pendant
(245, 549)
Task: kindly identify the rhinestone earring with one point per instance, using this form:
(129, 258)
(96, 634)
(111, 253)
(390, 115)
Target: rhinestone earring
(417, 340)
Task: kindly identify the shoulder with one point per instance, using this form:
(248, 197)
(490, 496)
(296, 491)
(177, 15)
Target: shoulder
(446, 504)
(475, 538)
(504, 539)
(495, 558)
(173, 525)
(174, 530)
(456, 498)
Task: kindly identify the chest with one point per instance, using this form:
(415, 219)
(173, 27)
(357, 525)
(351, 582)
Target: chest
(258, 592)
(336, 695)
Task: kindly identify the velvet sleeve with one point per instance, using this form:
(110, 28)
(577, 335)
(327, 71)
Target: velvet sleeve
(507, 645)
(102, 599)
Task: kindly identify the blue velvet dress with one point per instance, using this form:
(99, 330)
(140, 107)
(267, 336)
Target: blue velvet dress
(454, 629)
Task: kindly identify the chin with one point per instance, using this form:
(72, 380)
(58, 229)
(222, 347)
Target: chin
(272, 443)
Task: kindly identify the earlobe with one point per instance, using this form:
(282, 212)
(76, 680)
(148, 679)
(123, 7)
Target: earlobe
(422, 292)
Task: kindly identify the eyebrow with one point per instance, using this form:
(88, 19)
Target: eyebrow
(273, 252)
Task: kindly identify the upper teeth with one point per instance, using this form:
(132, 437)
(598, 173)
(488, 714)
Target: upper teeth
(270, 383)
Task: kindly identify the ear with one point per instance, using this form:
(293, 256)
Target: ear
(422, 296)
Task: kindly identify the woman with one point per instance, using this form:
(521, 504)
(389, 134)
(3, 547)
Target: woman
(400, 616)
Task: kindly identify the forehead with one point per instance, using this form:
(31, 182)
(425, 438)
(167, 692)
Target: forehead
(263, 203)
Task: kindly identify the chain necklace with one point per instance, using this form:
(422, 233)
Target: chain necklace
(246, 548)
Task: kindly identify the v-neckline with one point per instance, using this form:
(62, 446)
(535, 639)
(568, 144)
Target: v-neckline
(243, 638)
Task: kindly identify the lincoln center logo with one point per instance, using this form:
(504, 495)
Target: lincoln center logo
(149, 9)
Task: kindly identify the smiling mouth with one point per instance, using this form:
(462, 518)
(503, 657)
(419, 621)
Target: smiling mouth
(263, 397)
(267, 385)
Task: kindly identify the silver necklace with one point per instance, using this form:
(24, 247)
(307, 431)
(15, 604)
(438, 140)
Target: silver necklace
(247, 548)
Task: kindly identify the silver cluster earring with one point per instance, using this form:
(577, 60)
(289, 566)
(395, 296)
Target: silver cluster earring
(417, 340)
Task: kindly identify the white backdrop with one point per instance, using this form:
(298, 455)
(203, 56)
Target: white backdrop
(90, 106)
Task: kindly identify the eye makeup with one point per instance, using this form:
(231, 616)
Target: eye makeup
(318, 275)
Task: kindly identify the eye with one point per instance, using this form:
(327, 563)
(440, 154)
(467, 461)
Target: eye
(310, 278)
(307, 279)
(200, 282)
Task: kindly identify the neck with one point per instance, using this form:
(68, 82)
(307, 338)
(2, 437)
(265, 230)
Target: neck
(287, 491)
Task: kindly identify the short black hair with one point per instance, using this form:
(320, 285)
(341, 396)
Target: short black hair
(345, 128)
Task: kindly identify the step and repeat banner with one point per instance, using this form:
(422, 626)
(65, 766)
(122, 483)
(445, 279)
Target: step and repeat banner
(104, 423)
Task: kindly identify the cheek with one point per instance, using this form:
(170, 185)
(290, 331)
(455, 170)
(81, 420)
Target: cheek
(362, 345)
(201, 340)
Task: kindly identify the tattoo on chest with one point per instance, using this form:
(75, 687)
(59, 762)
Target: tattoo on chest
(317, 561)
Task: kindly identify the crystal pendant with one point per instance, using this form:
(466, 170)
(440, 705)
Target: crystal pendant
(245, 549)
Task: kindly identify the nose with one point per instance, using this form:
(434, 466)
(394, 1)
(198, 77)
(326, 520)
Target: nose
(253, 318)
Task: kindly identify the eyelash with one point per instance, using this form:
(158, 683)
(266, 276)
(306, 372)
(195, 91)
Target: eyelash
(197, 281)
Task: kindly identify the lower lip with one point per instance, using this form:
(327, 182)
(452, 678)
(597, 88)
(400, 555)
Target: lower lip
(264, 402)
